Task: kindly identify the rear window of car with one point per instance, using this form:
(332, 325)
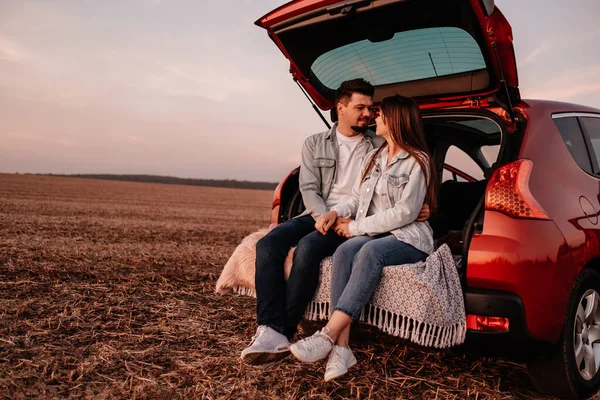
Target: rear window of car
(592, 127)
(407, 56)
(573, 137)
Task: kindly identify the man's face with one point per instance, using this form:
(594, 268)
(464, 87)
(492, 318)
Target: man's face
(357, 113)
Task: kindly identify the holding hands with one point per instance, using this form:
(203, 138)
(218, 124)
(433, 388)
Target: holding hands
(342, 227)
(331, 220)
(325, 221)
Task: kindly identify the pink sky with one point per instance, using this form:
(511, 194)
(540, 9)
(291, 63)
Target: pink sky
(191, 89)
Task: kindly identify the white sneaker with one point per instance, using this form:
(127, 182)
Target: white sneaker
(340, 359)
(312, 348)
(267, 347)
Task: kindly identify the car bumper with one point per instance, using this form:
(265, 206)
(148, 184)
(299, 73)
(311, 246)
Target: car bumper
(529, 258)
(517, 342)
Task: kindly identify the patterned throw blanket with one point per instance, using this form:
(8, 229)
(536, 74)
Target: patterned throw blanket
(422, 302)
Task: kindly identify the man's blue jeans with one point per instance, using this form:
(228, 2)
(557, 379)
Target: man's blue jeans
(281, 304)
(357, 266)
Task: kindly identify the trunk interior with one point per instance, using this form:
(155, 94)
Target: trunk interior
(465, 148)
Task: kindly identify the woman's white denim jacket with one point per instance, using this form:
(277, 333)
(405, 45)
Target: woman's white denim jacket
(405, 191)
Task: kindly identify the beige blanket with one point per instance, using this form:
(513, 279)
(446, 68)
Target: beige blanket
(422, 302)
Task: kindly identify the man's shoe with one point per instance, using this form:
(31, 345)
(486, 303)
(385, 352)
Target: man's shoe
(267, 347)
(312, 348)
(340, 359)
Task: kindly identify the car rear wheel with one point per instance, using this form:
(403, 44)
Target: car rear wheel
(571, 371)
(294, 207)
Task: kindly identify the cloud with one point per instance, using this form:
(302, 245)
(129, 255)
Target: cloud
(570, 84)
(560, 44)
(152, 3)
(217, 82)
(533, 56)
(133, 139)
(13, 52)
(22, 136)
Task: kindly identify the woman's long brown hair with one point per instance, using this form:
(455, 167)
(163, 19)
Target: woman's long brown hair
(403, 118)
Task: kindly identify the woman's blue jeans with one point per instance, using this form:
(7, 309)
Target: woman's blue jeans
(357, 266)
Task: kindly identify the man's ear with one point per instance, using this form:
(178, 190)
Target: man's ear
(338, 107)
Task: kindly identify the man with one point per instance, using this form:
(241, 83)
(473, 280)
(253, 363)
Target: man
(330, 166)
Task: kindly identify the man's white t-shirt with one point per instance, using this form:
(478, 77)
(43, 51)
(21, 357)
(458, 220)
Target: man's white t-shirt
(352, 151)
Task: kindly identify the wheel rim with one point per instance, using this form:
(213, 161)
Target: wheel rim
(586, 337)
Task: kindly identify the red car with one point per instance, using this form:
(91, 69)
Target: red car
(520, 192)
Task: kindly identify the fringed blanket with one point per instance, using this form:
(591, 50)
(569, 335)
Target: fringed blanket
(422, 302)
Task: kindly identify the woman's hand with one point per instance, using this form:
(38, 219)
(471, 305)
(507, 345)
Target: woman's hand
(341, 220)
(325, 221)
(343, 228)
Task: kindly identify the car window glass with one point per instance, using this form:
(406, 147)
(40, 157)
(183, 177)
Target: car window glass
(573, 138)
(446, 176)
(490, 153)
(407, 56)
(449, 176)
(483, 125)
(461, 160)
(592, 127)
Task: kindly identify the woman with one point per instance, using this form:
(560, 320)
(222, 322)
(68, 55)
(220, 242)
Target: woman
(396, 180)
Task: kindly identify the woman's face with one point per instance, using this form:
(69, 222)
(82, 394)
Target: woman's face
(382, 129)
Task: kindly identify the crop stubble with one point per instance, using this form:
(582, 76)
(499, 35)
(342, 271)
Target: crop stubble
(106, 291)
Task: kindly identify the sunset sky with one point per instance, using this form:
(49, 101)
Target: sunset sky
(191, 88)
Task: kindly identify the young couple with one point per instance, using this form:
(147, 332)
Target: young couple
(364, 196)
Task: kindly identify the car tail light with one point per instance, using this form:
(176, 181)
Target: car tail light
(487, 324)
(508, 192)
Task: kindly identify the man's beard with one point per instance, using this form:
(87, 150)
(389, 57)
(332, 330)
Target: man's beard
(360, 129)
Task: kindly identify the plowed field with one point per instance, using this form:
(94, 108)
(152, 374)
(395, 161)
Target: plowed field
(107, 291)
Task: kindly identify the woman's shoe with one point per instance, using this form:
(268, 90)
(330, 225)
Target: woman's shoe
(312, 348)
(340, 359)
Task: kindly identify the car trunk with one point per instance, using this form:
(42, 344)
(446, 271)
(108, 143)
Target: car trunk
(454, 57)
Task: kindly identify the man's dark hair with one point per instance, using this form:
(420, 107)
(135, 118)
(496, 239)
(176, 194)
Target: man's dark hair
(347, 88)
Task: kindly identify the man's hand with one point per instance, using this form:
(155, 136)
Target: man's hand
(343, 229)
(325, 221)
(424, 214)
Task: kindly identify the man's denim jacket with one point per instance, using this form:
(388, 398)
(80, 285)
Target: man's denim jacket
(318, 168)
(405, 192)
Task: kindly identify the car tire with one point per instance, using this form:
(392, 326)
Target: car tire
(561, 373)
(294, 207)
